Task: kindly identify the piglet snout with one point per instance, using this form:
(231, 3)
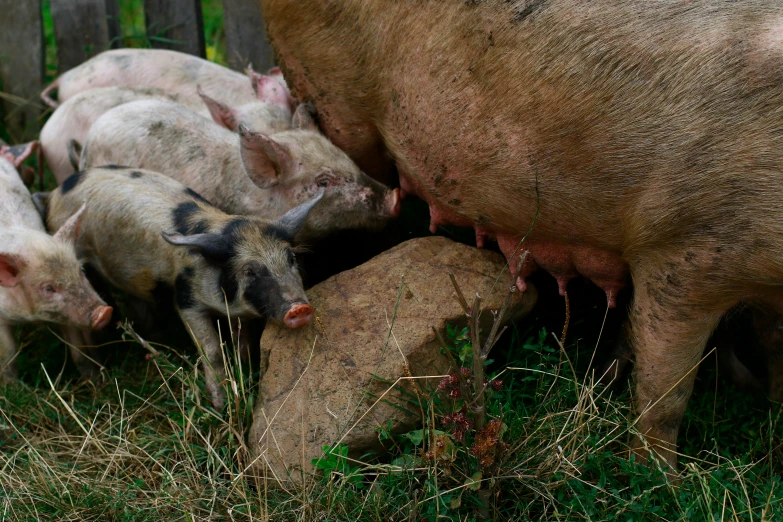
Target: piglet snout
(393, 202)
(101, 317)
(298, 315)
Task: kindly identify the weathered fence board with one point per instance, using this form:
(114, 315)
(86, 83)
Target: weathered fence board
(113, 21)
(81, 30)
(175, 24)
(246, 40)
(21, 65)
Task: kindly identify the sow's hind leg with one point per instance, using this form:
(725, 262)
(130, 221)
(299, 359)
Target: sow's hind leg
(671, 319)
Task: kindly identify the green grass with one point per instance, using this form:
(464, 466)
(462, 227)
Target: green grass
(145, 445)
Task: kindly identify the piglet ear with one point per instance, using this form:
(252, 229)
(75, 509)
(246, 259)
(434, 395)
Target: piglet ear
(303, 118)
(10, 266)
(220, 112)
(265, 160)
(69, 232)
(16, 154)
(292, 221)
(255, 79)
(214, 246)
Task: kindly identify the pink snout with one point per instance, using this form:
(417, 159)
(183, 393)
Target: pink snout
(101, 317)
(393, 202)
(298, 315)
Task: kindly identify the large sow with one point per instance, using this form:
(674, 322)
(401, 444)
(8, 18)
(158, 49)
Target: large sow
(646, 136)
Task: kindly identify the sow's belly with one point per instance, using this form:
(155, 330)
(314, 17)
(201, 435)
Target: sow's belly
(562, 260)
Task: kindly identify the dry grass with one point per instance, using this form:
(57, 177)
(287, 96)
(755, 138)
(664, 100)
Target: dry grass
(146, 445)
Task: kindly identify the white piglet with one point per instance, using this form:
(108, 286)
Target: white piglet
(41, 279)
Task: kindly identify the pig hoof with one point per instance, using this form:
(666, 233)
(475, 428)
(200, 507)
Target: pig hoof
(298, 315)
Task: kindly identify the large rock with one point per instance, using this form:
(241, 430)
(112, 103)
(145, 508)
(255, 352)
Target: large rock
(323, 381)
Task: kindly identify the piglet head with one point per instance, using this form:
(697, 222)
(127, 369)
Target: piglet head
(48, 281)
(296, 164)
(259, 271)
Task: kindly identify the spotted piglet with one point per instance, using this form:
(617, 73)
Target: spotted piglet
(67, 128)
(151, 236)
(250, 172)
(40, 276)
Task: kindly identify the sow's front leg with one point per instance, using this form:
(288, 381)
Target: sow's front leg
(199, 325)
(8, 371)
(672, 320)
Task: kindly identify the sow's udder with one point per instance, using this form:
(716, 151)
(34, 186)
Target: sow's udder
(563, 261)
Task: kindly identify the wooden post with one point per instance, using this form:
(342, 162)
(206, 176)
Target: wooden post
(176, 25)
(81, 30)
(113, 22)
(246, 40)
(21, 66)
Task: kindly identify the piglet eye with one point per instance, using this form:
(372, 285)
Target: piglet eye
(250, 271)
(49, 289)
(323, 182)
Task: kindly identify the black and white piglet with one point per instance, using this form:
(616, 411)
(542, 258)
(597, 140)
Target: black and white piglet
(148, 234)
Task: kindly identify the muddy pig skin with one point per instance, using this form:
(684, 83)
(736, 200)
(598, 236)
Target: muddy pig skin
(73, 119)
(150, 236)
(639, 142)
(172, 71)
(41, 279)
(247, 173)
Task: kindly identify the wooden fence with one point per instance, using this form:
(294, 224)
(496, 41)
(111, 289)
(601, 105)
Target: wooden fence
(84, 28)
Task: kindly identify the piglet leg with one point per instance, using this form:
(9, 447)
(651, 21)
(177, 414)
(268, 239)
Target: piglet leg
(83, 357)
(671, 326)
(8, 371)
(201, 329)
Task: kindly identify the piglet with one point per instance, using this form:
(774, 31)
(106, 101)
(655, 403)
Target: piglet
(171, 71)
(67, 127)
(41, 279)
(149, 236)
(250, 173)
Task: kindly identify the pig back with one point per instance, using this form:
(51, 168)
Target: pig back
(73, 119)
(16, 205)
(127, 210)
(172, 71)
(605, 124)
(170, 139)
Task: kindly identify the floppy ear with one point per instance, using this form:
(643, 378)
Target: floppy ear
(265, 160)
(10, 266)
(292, 221)
(74, 149)
(214, 246)
(223, 115)
(69, 232)
(255, 79)
(303, 118)
(41, 202)
(16, 154)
